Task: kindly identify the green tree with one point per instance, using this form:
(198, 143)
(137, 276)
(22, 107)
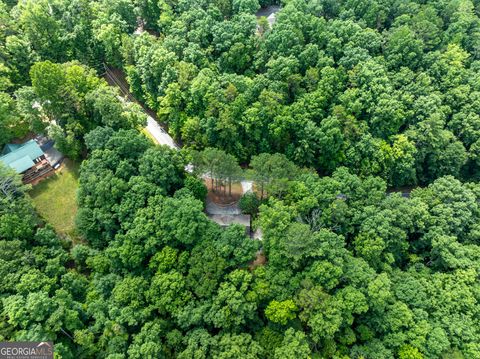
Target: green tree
(249, 204)
(11, 124)
(271, 170)
(197, 187)
(281, 312)
(164, 167)
(294, 345)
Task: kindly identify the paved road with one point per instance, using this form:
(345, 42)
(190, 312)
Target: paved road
(233, 212)
(159, 134)
(156, 131)
(117, 78)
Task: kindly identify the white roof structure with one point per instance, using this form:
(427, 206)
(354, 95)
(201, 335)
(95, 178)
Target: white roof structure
(271, 19)
(270, 13)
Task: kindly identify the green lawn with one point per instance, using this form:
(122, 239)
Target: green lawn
(55, 198)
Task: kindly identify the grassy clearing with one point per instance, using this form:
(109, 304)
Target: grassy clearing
(55, 198)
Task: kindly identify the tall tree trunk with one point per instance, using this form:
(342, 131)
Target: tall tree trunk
(230, 187)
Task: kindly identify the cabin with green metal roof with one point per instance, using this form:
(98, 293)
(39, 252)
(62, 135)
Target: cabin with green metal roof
(27, 159)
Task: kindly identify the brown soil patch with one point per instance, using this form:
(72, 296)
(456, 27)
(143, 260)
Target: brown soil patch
(257, 190)
(221, 194)
(259, 261)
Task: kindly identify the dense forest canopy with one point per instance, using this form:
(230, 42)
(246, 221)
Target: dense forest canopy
(387, 88)
(331, 108)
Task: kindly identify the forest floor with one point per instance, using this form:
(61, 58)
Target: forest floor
(260, 260)
(220, 197)
(55, 198)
